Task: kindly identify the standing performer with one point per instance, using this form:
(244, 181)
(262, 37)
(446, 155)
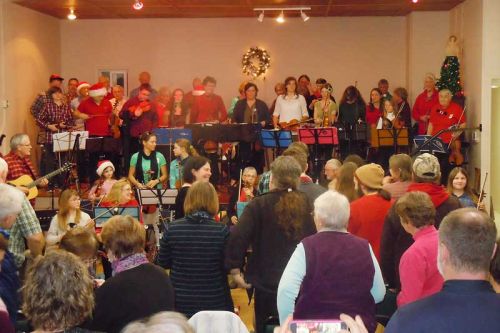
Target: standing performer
(291, 106)
(183, 150)
(424, 103)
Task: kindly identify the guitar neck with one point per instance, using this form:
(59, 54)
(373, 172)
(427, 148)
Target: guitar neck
(47, 176)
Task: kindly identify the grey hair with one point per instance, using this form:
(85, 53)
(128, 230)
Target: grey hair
(249, 169)
(17, 140)
(334, 162)
(11, 201)
(162, 322)
(430, 76)
(333, 209)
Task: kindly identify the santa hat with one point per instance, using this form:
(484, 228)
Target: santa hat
(55, 77)
(198, 90)
(81, 85)
(102, 165)
(97, 89)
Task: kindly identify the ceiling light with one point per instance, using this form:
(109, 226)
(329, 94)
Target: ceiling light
(137, 5)
(281, 18)
(414, 1)
(71, 15)
(261, 17)
(304, 16)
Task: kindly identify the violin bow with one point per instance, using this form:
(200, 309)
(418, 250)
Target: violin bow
(458, 123)
(481, 194)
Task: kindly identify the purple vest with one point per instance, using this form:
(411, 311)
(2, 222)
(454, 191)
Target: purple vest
(339, 277)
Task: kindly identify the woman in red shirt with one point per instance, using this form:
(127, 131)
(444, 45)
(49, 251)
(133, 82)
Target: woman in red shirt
(121, 195)
(424, 103)
(373, 109)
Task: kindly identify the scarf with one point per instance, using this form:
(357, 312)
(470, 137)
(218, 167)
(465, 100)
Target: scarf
(139, 173)
(199, 216)
(128, 262)
(437, 192)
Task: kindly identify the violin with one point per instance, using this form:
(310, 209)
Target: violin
(115, 122)
(145, 106)
(294, 124)
(455, 145)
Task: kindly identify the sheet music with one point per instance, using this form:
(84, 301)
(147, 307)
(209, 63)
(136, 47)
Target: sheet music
(65, 141)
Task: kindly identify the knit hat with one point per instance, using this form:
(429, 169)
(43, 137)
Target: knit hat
(81, 85)
(426, 166)
(102, 165)
(97, 89)
(370, 175)
(198, 90)
(55, 77)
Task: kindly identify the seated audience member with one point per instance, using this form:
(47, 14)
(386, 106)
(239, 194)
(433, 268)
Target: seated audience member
(248, 191)
(399, 180)
(197, 263)
(26, 231)
(121, 195)
(495, 270)
(424, 103)
(331, 272)
(273, 224)
(345, 181)
(5, 323)
(163, 322)
(395, 240)
(68, 217)
(58, 293)
(355, 158)
(84, 244)
(459, 186)
(369, 211)
(418, 270)
(332, 172)
(467, 302)
(144, 80)
(183, 150)
(195, 169)
(137, 289)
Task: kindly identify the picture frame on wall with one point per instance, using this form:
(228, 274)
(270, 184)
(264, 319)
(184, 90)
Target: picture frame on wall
(116, 77)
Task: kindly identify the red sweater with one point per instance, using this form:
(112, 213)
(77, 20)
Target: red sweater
(372, 116)
(208, 108)
(422, 107)
(367, 219)
(98, 123)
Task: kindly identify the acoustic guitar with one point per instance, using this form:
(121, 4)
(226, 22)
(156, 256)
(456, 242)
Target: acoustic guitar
(31, 184)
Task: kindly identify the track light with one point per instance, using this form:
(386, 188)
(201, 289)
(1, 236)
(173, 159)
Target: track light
(138, 5)
(71, 15)
(281, 18)
(304, 16)
(261, 17)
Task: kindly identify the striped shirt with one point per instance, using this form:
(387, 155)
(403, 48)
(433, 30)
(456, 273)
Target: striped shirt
(193, 248)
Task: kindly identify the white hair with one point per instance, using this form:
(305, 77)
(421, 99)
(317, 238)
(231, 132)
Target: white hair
(430, 76)
(162, 322)
(17, 140)
(333, 210)
(11, 201)
(334, 162)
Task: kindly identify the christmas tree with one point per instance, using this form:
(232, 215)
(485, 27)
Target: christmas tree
(450, 76)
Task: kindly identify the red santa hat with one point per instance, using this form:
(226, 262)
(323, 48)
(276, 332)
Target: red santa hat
(102, 165)
(81, 85)
(97, 89)
(198, 90)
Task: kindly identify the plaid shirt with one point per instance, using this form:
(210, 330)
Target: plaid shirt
(38, 104)
(264, 183)
(26, 225)
(19, 166)
(52, 113)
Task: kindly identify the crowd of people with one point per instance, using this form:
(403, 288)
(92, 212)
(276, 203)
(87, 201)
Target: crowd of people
(373, 244)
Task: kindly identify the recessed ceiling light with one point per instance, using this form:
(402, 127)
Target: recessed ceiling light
(71, 15)
(138, 5)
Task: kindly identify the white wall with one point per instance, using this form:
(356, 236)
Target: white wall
(342, 50)
(30, 52)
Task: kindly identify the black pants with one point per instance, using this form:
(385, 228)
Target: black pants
(50, 163)
(265, 307)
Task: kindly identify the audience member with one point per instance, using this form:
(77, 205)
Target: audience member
(345, 181)
(421, 112)
(399, 180)
(68, 217)
(83, 243)
(5, 322)
(418, 269)
(467, 302)
(195, 266)
(356, 159)
(183, 150)
(163, 322)
(290, 106)
(332, 167)
(369, 211)
(495, 270)
(58, 293)
(195, 169)
(331, 272)
(395, 241)
(117, 304)
(459, 186)
(144, 81)
(273, 224)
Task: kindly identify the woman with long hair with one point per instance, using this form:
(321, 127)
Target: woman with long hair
(291, 106)
(121, 194)
(178, 109)
(325, 109)
(403, 110)
(459, 186)
(199, 262)
(183, 150)
(400, 168)
(374, 108)
(352, 112)
(273, 224)
(68, 216)
(345, 181)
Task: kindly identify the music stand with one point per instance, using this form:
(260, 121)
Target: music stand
(152, 196)
(432, 144)
(168, 136)
(65, 141)
(105, 213)
(275, 139)
(318, 136)
(396, 137)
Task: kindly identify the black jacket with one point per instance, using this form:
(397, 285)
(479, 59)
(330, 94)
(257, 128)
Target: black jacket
(260, 108)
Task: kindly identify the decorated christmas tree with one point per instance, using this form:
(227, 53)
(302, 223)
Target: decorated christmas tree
(450, 70)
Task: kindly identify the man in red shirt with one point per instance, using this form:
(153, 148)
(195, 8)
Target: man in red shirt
(444, 115)
(208, 107)
(424, 103)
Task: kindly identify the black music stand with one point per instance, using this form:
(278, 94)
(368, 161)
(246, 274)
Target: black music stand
(168, 136)
(318, 136)
(429, 144)
(159, 197)
(105, 213)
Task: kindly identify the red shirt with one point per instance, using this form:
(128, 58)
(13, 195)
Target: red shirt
(418, 269)
(208, 108)
(367, 219)
(444, 118)
(423, 105)
(19, 166)
(98, 123)
(372, 116)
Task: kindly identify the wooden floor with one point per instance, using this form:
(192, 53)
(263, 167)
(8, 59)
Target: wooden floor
(246, 312)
